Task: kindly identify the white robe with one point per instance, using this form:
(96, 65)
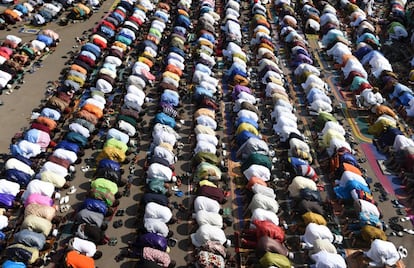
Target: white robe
(324, 259)
(206, 147)
(38, 187)
(298, 183)
(314, 231)
(335, 126)
(305, 67)
(207, 233)
(158, 171)
(260, 214)
(164, 153)
(157, 211)
(205, 217)
(206, 121)
(263, 202)
(383, 253)
(259, 171)
(207, 204)
(263, 190)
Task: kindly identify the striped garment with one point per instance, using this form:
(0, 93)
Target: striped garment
(168, 109)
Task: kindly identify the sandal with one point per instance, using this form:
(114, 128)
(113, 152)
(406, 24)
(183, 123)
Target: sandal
(396, 227)
(362, 160)
(404, 219)
(120, 212)
(72, 190)
(126, 193)
(394, 220)
(117, 224)
(175, 205)
(119, 258)
(64, 208)
(175, 188)
(179, 193)
(85, 169)
(378, 185)
(112, 241)
(409, 231)
(399, 206)
(172, 242)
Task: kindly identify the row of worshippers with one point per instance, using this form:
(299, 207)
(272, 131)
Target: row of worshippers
(351, 185)
(154, 241)
(303, 188)
(209, 238)
(262, 232)
(15, 13)
(46, 13)
(304, 194)
(398, 24)
(384, 125)
(93, 213)
(367, 222)
(388, 137)
(41, 186)
(15, 55)
(39, 176)
(56, 170)
(316, 229)
(366, 54)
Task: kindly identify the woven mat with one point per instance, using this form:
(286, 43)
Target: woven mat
(234, 169)
(355, 260)
(29, 30)
(383, 168)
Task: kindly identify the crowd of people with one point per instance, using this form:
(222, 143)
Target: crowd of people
(154, 239)
(38, 173)
(208, 236)
(352, 187)
(157, 208)
(263, 230)
(267, 232)
(15, 55)
(39, 13)
(360, 211)
(41, 165)
(15, 14)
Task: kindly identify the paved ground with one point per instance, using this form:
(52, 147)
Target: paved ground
(16, 110)
(17, 107)
(15, 115)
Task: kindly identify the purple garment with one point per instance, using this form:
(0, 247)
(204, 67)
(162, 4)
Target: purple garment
(152, 240)
(303, 58)
(6, 200)
(239, 88)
